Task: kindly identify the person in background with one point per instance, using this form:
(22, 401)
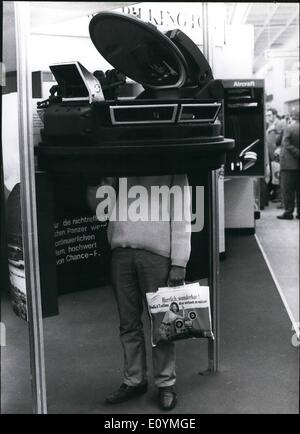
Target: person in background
(287, 120)
(274, 131)
(274, 135)
(289, 168)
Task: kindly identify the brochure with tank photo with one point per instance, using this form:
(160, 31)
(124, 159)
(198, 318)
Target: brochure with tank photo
(179, 312)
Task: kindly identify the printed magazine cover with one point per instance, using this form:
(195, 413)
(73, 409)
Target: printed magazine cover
(180, 312)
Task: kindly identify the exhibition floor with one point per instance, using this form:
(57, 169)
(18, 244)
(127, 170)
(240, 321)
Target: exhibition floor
(279, 240)
(258, 370)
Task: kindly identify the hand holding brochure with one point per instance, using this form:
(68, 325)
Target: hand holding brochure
(180, 312)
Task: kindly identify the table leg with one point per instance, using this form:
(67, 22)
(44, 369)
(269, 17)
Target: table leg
(213, 280)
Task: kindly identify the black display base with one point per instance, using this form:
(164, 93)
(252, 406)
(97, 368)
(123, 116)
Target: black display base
(140, 158)
(240, 231)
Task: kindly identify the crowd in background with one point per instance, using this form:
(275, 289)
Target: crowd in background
(281, 183)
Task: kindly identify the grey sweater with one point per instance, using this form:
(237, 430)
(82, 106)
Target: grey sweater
(152, 217)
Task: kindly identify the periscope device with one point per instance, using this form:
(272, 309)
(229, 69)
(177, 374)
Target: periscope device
(178, 99)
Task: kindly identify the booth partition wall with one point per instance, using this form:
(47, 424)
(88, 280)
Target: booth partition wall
(66, 354)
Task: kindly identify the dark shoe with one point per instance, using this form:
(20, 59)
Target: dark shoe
(285, 216)
(297, 216)
(167, 397)
(124, 393)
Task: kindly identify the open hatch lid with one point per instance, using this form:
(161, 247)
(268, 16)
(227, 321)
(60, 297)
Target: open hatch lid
(138, 50)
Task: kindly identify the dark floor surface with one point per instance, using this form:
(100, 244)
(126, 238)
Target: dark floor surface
(258, 363)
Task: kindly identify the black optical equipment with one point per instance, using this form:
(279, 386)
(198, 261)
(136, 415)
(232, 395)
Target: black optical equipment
(178, 103)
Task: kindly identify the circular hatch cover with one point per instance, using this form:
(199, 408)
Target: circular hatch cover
(138, 50)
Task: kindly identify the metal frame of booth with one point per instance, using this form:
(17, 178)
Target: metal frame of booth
(30, 227)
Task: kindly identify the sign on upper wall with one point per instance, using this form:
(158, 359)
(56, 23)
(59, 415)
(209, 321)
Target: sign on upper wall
(169, 16)
(165, 17)
(186, 16)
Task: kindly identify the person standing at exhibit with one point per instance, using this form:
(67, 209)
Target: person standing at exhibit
(289, 168)
(147, 254)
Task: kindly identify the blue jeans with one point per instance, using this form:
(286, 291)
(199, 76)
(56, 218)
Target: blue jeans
(134, 273)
